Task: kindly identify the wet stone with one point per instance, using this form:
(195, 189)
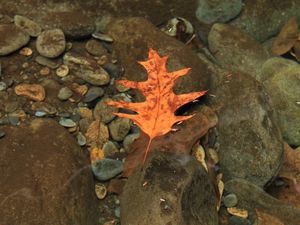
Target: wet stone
(11, 107)
(66, 122)
(12, 38)
(95, 47)
(51, 43)
(93, 93)
(106, 169)
(119, 128)
(113, 70)
(110, 149)
(230, 200)
(100, 191)
(46, 62)
(102, 37)
(235, 220)
(13, 120)
(104, 112)
(29, 26)
(81, 139)
(117, 212)
(3, 86)
(129, 139)
(40, 114)
(64, 93)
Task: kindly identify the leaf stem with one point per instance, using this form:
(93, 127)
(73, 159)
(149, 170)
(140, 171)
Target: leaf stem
(147, 150)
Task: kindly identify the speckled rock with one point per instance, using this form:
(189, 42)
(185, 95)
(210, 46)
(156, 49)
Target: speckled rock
(263, 19)
(51, 43)
(110, 149)
(235, 50)
(95, 47)
(12, 38)
(29, 26)
(119, 128)
(104, 112)
(188, 199)
(281, 77)
(218, 10)
(64, 93)
(250, 142)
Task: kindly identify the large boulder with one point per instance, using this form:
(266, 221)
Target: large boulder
(281, 77)
(45, 178)
(171, 189)
(250, 143)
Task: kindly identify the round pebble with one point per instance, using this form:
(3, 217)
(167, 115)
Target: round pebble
(29, 26)
(51, 43)
(45, 71)
(26, 51)
(66, 122)
(93, 93)
(62, 71)
(81, 139)
(64, 93)
(100, 190)
(40, 114)
(230, 200)
(13, 120)
(2, 133)
(3, 86)
(106, 169)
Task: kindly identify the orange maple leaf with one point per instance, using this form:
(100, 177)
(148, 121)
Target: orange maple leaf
(155, 116)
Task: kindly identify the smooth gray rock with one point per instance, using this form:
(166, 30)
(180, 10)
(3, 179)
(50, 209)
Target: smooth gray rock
(263, 19)
(235, 50)
(64, 93)
(171, 189)
(93, 93)
(218, 10)
(281, 77)
(12, 38)
(106, 169)
(27, 25)
(51, 43)
(253, 197)
(250, 142)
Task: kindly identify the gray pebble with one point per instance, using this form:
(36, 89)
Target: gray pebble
(2, 133)
(3, 86)
(64, 93)
(113, 70)
(46, 62)
(81, 139)
(119, 128)
(66, 122)
(106, 169)
(27, 25)
(93, 93)
(14, 120)
(230, 200)
(95, 47)
(129, 139)
(117, 212)
(40, 113)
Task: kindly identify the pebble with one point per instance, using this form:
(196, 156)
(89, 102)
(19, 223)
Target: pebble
(26, 51)
(117, 212)
(93, 93)
(34, 92)
(129, 139)
(62, 71)
(85, 112)
(104, 112)
(3, 86)
(79, 89)
(119, 128)
(11, 106)
(95, 48)
(109, 149)
(46, 62)
(81, 139)
(45, 71)
(113, 70)
(29, 26)
(102, 37)
(40, 114)
(106, 169)
(96, 77)
(2, 133)
(51, 43)
(13, 120)
(12, 38)
(100, 191)
(66, 122)
(64, 93)
(230, 200)
(44, 107)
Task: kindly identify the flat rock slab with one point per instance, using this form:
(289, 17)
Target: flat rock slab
(170, 190)
(12, 38)
(252, 197)
(249, 137)
(45, 178)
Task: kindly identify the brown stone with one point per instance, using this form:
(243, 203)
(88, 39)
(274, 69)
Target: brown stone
(34, 92)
